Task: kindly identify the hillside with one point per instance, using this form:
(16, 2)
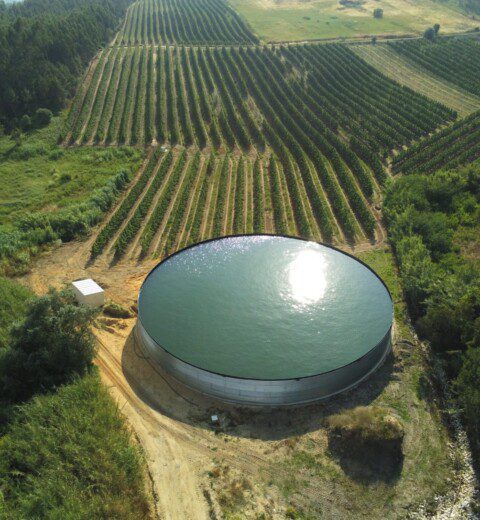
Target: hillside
(296, 20)
(185, 126)
(408, 73)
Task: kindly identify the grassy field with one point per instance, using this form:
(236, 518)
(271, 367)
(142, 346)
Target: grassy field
(277, 20)
(38, 175)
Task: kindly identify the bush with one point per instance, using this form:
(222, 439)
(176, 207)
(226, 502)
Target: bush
(42, 118)
(368, 423)
(39, 229)
(52, 345)
(115, 310)
(430, 34)
(25, 123)
(13, 298)
(368, 443)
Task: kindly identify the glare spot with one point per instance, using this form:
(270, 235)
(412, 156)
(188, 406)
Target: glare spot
(307, 277)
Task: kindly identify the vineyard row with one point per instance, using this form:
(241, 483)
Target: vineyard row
(454, 59)
(184, 22)
(454, 146)
(181, 197)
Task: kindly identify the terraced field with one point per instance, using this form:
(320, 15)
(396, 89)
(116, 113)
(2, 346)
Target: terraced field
(398, 68)
(187, 21)
(454, 146)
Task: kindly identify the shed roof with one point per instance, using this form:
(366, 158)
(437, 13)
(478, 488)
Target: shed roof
(87, 286)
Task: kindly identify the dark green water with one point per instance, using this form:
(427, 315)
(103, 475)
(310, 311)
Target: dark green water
(265, 307)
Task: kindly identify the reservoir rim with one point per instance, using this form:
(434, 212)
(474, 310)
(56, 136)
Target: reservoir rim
(273, 235)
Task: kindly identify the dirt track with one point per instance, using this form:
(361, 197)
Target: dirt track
(175, 434)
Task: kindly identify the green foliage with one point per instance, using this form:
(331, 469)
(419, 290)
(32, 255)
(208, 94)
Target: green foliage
(453, 59)
(45, 47)
(219, 218)
(294, 99)
(13, 298)
(188, 22)
(69, 455)
(25, 123)
(423, 214)
(258, 199)
(43, 117)
(40, 229)
(52, 345)
(181, 204)
(429, 34)
(115, 310)
(135, 222)
(163, 202)
(454, 146)
(426, 216)
(118, 218)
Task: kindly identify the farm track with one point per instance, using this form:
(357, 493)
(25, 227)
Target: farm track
(183, 236)
(106, 54)
(157, 240)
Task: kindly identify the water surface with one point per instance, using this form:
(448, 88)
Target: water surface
(265, 307)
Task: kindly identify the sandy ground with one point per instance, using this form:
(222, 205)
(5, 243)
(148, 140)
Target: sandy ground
(181, 447)
(173, 428)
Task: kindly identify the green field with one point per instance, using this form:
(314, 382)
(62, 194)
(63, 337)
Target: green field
(290, 20)
(40, 176)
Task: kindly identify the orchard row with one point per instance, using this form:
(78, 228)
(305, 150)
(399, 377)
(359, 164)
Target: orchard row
(454, 146)
(183, 21)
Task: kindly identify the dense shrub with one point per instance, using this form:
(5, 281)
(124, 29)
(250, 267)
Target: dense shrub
(429, 219)
(66, 454)
(52, 345)
(13, 298)
(42, 117)
(368, 423)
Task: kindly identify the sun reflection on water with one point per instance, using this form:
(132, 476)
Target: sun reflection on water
(307, 277)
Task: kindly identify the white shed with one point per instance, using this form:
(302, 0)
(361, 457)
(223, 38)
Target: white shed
(89, 293)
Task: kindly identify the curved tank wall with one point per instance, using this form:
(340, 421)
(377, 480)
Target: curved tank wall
(265, 320)
(258, 392)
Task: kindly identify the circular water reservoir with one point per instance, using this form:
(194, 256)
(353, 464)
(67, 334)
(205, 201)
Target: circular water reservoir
(265, 320)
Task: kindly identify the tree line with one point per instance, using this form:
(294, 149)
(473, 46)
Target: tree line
(433, 226)
(44, 48)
